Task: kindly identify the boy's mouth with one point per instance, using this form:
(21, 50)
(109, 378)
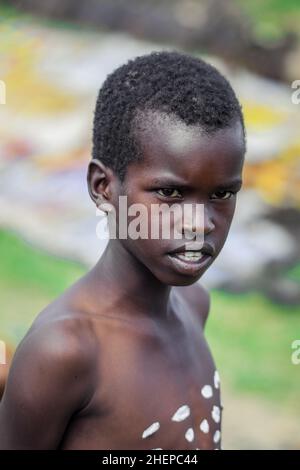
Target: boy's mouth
(190, 258)
(190, 255)
(194, 249)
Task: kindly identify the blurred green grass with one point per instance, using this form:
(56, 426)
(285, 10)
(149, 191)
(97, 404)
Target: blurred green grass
(271, 18)
(29, 280)
(251, 339)
(250, 336)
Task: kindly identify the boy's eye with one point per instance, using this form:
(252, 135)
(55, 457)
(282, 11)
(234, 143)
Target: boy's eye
(222, 195)
(169, 192)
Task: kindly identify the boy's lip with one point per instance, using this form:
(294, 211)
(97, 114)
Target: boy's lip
(205, 248)
(191, 267)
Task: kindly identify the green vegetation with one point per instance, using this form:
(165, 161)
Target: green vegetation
(271, 18)
(22, 264)
(251, 339)
(294, 273)
(29, 280)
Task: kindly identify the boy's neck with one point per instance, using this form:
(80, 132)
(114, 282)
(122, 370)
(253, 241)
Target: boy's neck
(127, 283)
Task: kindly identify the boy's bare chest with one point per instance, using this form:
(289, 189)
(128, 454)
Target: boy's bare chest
(152, 394)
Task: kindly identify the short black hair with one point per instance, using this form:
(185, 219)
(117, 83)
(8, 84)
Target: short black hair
(171, 82)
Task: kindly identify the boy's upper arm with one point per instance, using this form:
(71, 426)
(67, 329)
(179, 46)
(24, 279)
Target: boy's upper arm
(50, 378)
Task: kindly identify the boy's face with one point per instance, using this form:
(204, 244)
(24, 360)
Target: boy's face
(181, 164)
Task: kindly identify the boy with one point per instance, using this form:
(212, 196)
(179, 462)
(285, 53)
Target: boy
(120, 361)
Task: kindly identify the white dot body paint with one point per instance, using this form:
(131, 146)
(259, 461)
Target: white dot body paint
(151, 430)
(182, 413)
(217, 436)
(216, 414)
(207, 391)
(204, 426)
(189, 435)
(217, 379)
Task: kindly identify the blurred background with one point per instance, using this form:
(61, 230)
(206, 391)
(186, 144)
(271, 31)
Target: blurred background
(54, 58)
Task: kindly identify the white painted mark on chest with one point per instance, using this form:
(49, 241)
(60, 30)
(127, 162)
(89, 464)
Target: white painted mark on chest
(204, 426)
(217, 436)
(190, 435)
(207, 391)
(216, 414)
(216, 379)
(182, 413)
(151, 430)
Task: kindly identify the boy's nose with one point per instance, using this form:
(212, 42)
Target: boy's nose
(202, 224)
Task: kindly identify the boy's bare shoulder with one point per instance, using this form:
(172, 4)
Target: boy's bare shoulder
(61, 339)
(64, 334)
(198, 299)
(51, 377)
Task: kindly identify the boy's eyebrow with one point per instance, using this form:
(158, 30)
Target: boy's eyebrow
(235, 183)
(169, 181)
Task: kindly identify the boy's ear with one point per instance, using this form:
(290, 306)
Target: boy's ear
(100, 179)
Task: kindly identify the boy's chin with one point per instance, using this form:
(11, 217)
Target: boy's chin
(186, 281)
(175, 279)
(176, 271)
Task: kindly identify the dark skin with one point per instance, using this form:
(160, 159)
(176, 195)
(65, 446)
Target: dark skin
(124, 346)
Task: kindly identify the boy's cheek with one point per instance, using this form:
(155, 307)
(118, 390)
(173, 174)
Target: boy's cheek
(222, 237)
(223, 218)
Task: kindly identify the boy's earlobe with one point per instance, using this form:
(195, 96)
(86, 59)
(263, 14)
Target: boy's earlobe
(103, 205)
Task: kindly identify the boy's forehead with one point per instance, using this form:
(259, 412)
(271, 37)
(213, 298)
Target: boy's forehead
(166, 131)
(164, 138)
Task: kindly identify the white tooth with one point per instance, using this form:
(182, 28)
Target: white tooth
(190, 255)
(184, 257)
